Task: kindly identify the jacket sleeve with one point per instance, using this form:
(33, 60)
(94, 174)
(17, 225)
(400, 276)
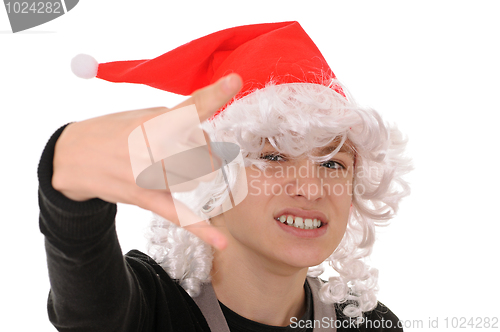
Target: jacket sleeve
(92, 287)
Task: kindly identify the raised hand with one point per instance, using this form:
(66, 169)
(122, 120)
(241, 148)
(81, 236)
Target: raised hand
(91, 158)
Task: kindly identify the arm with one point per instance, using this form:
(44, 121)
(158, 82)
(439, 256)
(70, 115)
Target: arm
(91, 288)
(84, 171)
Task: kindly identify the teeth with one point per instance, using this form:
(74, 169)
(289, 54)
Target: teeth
(300, 222)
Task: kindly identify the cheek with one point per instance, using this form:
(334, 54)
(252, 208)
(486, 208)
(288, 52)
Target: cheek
(244, 214)
(255, 188)
(262, 185)
(245, 218)
(339, 191)
(341, 201)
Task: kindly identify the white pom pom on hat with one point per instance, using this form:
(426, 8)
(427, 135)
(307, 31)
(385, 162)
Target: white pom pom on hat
(282, 52)
(84, 66)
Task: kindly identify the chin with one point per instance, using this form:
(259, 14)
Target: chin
(306, 257)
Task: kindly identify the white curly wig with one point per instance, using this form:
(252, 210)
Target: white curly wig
(295, 118)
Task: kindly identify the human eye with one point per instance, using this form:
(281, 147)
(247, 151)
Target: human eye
(334, 164)
(272, 157)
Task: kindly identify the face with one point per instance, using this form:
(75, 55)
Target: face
(252, 228)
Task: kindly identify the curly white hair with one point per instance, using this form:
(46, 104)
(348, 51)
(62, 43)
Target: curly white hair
(295, 118)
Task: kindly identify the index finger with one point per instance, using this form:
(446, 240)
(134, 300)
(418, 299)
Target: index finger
(211, 98)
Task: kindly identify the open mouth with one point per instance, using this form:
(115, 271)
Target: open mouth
(299, 222)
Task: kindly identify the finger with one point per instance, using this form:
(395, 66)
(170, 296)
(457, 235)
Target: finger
(209, 234)
(213, 97)
(162, 203)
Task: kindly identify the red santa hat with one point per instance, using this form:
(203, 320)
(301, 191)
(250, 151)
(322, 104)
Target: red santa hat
(272, 52)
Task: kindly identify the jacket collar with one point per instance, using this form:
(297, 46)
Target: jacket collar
(324, 314)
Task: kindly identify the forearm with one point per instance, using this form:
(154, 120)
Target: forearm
(91, 288)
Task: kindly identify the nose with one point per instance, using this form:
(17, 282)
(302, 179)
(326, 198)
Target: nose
(304, 180)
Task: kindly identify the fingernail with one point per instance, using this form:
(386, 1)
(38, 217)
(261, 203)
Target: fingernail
(231, 84)
(219, 243)
(227, 84)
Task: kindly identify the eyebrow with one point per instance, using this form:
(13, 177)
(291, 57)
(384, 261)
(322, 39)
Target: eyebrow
(327, 149)
(324, 149)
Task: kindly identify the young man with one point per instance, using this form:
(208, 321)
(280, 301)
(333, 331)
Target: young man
(284, 108)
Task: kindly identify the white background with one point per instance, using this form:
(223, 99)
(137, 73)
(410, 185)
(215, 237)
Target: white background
(432, 67)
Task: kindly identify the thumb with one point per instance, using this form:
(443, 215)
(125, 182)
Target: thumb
(213, 97)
